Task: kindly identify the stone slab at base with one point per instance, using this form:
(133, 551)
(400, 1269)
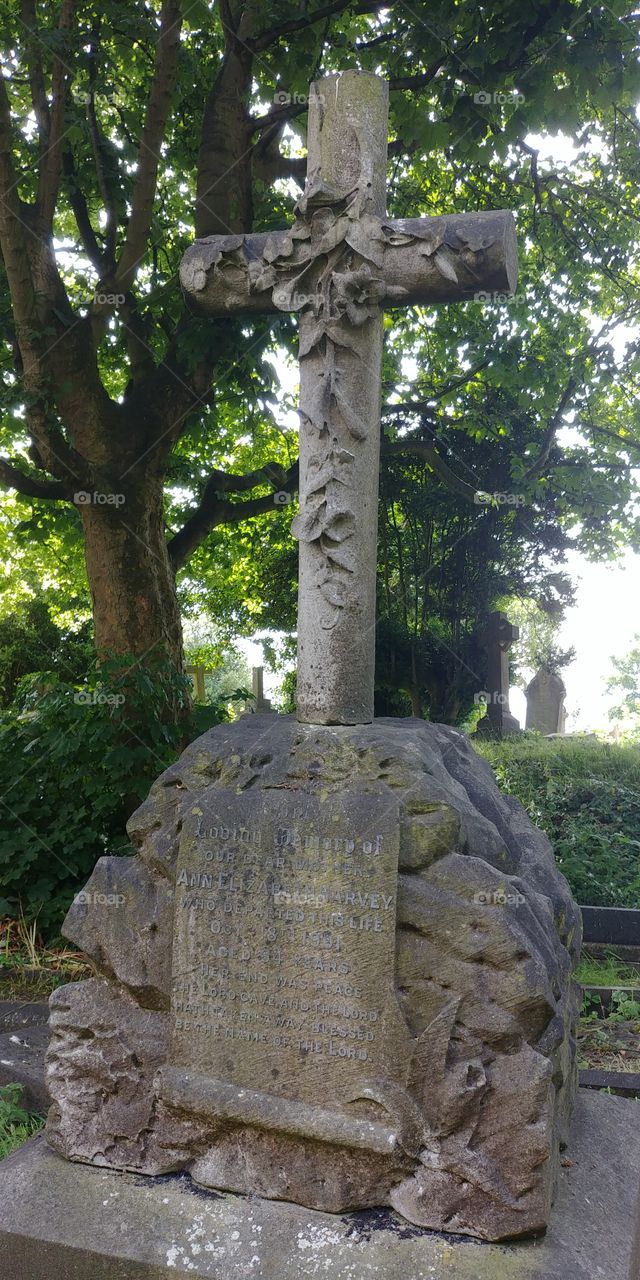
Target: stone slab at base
(62, 1221)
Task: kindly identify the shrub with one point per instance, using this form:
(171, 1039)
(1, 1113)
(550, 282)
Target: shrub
(16, 1124)
(586, 796)
(75, 760)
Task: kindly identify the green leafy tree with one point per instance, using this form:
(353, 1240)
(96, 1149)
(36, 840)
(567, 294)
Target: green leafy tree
(31, 641)
(145, 434)
(625, 683)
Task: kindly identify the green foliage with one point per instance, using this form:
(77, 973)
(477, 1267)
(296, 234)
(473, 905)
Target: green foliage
(16, 1124)
(30, 640)
(491, 375)
(624, 1007)
(626, 683)
(537, 645)
(75, 760)
(586, 796)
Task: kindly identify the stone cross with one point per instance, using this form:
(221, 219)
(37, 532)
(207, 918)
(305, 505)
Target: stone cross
(339, 265)
(497, 638)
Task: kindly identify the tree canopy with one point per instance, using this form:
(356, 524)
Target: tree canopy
(128, 130)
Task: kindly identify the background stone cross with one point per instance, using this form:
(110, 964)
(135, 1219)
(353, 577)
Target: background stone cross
(338, 266)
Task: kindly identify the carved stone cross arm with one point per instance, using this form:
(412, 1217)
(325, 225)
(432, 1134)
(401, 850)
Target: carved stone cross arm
(419, 261)
(338, 266)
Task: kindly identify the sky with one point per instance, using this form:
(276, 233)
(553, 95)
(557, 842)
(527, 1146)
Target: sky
(601, 625)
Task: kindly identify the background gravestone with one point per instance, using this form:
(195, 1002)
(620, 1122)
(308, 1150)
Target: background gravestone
(261, 704)
(496, 639)
(545, 695)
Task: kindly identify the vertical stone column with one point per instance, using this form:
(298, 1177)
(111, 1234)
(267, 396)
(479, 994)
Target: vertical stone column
(340, 387)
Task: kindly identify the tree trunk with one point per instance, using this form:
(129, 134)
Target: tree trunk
(133, 587)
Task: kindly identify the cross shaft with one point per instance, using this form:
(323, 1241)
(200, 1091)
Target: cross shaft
(338, 266)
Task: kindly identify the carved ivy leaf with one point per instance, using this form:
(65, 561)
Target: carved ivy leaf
(445, 266)
(277, 247)
(475, 243)
(307, 526)
(350, 417)
(395, 291)
(343, 555)
(334, 468)
(309, 338)
(334, 592)
(291, 294)
(342, 338)
(225, 244)
(318, 401)
(261, 277)
(367, 239)
(397, 237)
(325, 239)
(339, 524)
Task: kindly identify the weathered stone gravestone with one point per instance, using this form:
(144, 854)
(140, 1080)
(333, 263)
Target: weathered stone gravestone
(341, 974)
(545, 695)
(497, 637)
(261, 704)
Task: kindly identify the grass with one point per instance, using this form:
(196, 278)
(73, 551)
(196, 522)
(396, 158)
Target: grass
(585, 794)
(16, 1124)
(29, 970)
(610, 972)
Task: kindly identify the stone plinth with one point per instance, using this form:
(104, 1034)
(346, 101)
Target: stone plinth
(60, 1221)
(338, 972)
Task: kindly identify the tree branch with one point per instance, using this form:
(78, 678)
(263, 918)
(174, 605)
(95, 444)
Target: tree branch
(30, 486)
(273, 34)
(36, 74)
(214, 510)
(548, 438)
(421, 78)
(81, 213)
(49, 178)
(13, 242)
(422, 449)
(162, 86)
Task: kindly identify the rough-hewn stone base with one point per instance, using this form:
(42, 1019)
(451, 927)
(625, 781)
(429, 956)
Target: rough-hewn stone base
(62, 1221)
(371, 1002)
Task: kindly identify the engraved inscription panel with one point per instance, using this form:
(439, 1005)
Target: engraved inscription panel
(283, 957)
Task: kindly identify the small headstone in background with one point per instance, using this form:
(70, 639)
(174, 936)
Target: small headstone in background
(497, 637)
(545, 702)
(197, 675)
(262, 704)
